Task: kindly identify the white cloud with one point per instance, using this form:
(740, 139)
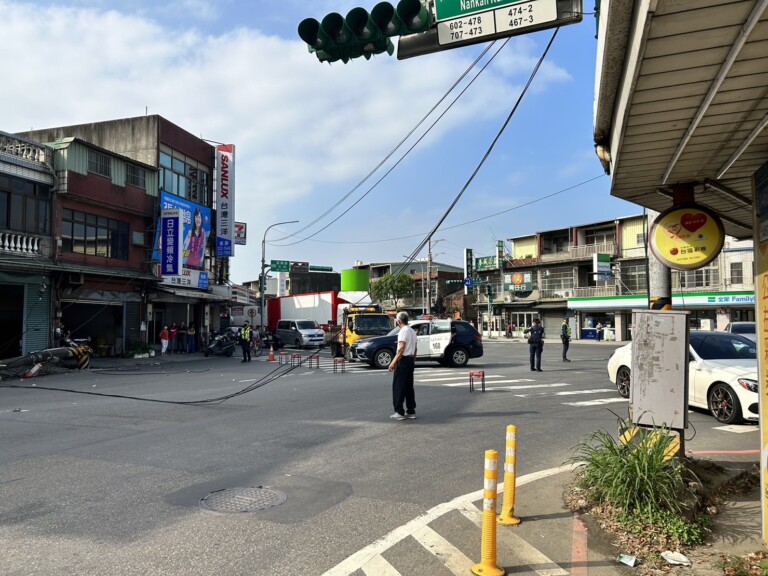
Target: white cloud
(302, 129)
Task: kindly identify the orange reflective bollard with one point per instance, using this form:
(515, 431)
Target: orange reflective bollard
(507, 515)
(487, 566)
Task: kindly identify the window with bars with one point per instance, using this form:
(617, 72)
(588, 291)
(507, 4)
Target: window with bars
(99, 163)
(557, 278)
(136, 176)
(600, 236)
(84, 233)
(634, 278)
(737, 273)
(702, 278)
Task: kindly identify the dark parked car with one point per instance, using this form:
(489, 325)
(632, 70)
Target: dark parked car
(450, 342)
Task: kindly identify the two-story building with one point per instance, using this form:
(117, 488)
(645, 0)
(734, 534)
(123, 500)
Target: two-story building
(27, 189)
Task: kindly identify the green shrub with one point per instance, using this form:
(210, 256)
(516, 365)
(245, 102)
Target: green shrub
(636, 477)
(667, 524)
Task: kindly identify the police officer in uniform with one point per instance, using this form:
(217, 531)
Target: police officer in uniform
(565, 336)
(535, 336)
(245, 341)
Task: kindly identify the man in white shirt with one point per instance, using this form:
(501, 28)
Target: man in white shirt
(402, 366)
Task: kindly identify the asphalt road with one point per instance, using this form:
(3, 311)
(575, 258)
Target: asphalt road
(105, 485)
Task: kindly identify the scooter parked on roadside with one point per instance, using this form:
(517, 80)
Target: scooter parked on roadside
(221, 343)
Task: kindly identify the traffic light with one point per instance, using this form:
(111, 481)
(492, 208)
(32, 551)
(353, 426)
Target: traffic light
(363, 34)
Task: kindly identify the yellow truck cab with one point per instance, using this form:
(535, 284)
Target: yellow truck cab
(359, 322)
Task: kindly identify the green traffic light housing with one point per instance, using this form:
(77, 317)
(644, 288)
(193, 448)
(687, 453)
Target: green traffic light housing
(363, 34)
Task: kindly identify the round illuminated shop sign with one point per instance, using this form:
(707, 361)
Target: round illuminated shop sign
(517, 278)
(687, 237)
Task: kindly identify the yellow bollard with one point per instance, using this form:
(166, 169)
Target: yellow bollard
(507, 515)
(487, 566)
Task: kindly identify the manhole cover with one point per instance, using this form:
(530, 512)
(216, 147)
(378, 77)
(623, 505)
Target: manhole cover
(234, 500)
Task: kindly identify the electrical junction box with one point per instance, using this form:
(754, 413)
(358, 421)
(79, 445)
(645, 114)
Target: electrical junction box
(659, 378)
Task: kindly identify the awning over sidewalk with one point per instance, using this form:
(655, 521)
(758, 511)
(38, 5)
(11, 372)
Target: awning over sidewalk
(184, 295)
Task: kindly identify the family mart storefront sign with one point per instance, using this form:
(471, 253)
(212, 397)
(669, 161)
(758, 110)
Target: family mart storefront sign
(679, 300)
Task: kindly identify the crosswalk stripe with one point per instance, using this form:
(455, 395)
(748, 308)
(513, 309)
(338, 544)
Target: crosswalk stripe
(524, 552)
(464, 377)
(453, 558)
(575, 392)
(597, 402)
(378, 566)
(502, 382)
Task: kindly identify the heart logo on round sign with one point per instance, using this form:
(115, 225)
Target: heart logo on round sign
(693, 222)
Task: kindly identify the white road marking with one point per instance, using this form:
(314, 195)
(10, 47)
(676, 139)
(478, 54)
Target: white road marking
(574, 392)
(453, 558)
(598, 402)
(361, 557)
(495, 381)
(377, 566)
(465, 377)
(737, 429)
(525, 554)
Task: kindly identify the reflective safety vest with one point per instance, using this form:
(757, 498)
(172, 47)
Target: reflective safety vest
(245, 334)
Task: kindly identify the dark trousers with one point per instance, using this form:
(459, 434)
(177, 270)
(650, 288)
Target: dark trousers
(535, 349)
(402, 386)
(246, 346)
(566, 344)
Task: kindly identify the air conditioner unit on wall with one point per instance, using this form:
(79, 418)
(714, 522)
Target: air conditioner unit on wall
(76, 278)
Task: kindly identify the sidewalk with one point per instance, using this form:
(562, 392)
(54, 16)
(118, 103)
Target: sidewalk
(736, 527)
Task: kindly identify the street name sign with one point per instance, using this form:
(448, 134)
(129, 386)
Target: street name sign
(280, 265)
(514, 16)
(466, 22)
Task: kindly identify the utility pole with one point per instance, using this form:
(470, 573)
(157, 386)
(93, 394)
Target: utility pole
(429, 277)
(429, 273)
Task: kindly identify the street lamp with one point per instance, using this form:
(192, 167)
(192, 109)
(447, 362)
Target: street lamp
(421, 263)
(262, 279)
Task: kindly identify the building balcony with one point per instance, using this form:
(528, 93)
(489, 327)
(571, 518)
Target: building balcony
(19, 244)
(586, 251)
(580, 252)
(594, 292)
(556, 256)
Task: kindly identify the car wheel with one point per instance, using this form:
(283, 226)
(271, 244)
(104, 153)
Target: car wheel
(622, 381)
(382, 358)
(459, 357)
(297, 344)
(724, 404)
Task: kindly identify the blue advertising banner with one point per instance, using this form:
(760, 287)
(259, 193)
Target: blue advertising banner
(170, 222)
(193, 234)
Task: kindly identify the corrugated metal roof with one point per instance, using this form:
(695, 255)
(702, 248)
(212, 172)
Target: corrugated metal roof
(682, 99)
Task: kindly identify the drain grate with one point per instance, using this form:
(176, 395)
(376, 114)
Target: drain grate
(236, 500)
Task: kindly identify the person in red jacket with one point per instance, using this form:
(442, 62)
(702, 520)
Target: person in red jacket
(164, 337)
(172, 334)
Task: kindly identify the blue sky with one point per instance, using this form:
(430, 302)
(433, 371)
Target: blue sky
(307, 133)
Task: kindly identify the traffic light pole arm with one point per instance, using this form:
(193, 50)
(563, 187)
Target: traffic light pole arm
(262, 279)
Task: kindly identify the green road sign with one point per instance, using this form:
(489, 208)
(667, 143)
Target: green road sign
(280, 265)
(447, 9)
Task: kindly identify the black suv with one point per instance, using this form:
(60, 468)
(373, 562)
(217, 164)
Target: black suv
(450, 342)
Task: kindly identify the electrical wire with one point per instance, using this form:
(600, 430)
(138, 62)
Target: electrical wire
(396, 164)
(468, 222)
(391, 152)
(486, 155)
(275, 374)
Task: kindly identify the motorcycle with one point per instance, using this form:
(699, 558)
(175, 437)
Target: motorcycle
(222, 343)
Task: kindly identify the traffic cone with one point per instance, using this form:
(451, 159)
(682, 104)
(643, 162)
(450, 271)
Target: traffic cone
(271, 354)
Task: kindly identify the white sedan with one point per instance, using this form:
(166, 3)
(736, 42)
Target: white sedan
(722, 376)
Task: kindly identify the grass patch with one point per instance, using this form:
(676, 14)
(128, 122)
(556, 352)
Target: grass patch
(636, 490)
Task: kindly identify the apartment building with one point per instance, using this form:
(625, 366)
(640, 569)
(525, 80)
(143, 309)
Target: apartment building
(553, 274)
